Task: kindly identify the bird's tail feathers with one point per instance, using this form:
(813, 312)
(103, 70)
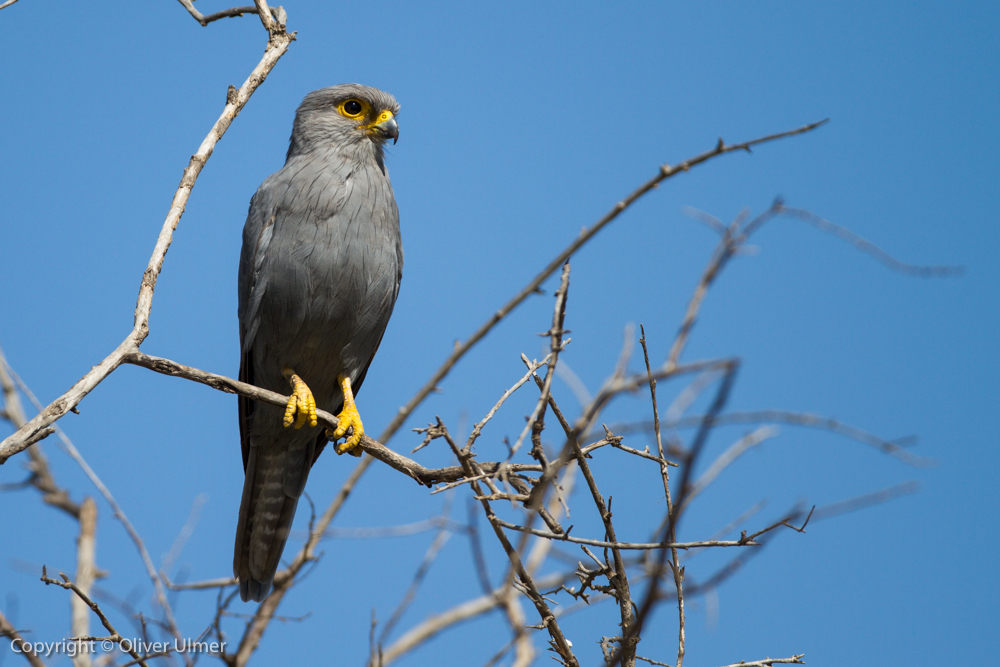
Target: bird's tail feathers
(275, 478)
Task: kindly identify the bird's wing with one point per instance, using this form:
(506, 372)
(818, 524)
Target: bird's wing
(267, 505)
(392, 302)
(252, 284)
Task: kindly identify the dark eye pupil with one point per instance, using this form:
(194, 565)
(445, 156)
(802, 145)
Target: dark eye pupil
(352, 107)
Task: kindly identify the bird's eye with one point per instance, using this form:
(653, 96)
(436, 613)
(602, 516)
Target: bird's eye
(352, 108)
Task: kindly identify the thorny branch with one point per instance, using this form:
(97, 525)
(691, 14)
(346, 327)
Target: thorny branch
(704, 423)
(675, 566)
(536, 422)
(559, 642)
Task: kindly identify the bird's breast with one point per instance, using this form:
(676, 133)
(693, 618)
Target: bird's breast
(332, 272)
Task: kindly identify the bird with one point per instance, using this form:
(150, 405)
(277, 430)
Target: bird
(319, 273)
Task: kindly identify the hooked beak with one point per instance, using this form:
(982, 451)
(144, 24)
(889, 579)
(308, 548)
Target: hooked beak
(388, 128)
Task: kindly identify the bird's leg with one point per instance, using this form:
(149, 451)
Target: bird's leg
(301, 402)
(348, 422)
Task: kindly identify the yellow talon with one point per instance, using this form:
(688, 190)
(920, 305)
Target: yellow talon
(348, 422)
(301, 404)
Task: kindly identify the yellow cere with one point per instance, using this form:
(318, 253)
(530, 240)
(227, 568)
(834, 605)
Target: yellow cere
(382, 117)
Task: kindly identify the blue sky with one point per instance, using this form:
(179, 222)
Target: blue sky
(520, 124)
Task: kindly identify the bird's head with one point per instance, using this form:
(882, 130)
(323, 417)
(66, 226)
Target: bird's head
(347, 118)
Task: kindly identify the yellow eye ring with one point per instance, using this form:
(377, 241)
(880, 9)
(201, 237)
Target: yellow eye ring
(352, 108)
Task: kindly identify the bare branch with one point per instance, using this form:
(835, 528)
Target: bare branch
(794, 418)
(706, 219)
(524, 650)
(767, 662)
(115, 636)
(434, 625)
(477, 430)
(86, 572)
(559, 641)
(70, 449)
(7, 630)
(440, 540)
(676, 568)
(556, 346)
(376, 532)
(724, 251)
(737, 449)
(618, 580)
(277, 44)
(730, 527)
(225, 13)
(41, 475)
(186, 531)
(492, 598)
(161, 595)
(628, 546)
(869, 248)
(221, 582)
(617, 444)
(673, 515)
(866, 500)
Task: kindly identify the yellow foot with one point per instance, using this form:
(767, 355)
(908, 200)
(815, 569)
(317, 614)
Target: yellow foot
(348, 423)
(301, 405)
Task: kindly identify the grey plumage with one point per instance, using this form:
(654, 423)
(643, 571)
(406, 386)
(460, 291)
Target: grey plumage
(319, 274)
